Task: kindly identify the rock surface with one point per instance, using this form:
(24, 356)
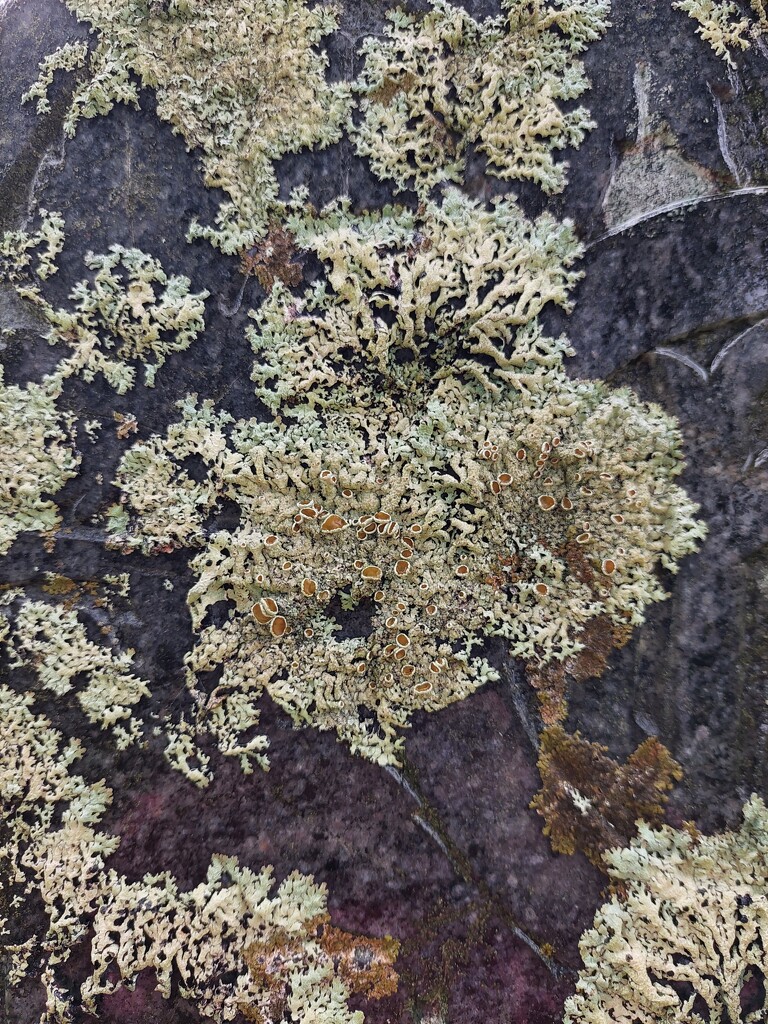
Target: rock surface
(446, 856)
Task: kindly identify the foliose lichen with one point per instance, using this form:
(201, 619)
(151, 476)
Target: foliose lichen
(69, 57)
(130, 311)
(53, 641)
(410, 299)
(724, 25)
(685, 932)
(599, 638)
(431, 478)
(590, 802)
(242, 81)
(37, 457)
(442, 81)
(233, 943)
(19, 248)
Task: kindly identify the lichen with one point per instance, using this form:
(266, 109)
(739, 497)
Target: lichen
(37, 457)
(54, 642)
(431, 478)
(272, 259)
(130, 312)
(233, 943)
(598, 639)
(49, 844)
(411, 299)
(440, 82)
(724, 25)
(17, 248)
(590, 802)
(241, 80)
(69, 57)
(685, 932)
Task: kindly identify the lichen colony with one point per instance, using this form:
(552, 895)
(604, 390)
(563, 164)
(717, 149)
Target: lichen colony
(418, 494)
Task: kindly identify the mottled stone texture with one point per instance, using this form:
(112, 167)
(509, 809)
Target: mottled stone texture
(448, 857)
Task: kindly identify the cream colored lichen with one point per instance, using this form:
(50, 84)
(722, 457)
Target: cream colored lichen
(685, 933)
(408, 300)
(53, 641)
(243, 81)
(183, 753)
(129, 312)
(69, 57)
(37, 457)
(202, 936)
(441, 82)
(725, 25)
(47, 813)
(400, 510)
(450, 561)
(18, 248)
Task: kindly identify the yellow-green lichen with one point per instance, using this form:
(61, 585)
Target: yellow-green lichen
(54, 642)
(129, 312)
(724, 25)
(233, 943)
(685, 933)
(17, 249)
(441, 82)
(440, 480)
(37, 457)
(409, 300)
(241, 80)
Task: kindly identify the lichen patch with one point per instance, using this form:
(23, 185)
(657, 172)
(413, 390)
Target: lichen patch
(684, 933)
(242, 81)
(443, 81)
(235, 942)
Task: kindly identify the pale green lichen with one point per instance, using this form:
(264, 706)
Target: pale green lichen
(92, 429)
(183, 753)
(67, 58)
(47, 815)
(408, 300)
(241, 80)
(17, 248)
(130, 312)
(441, 82)
(54, 642)
(724, 25)
(686, 932)
(37, 457)
(440, 481)
(205, 942)
(448, 560)
(119, 582)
